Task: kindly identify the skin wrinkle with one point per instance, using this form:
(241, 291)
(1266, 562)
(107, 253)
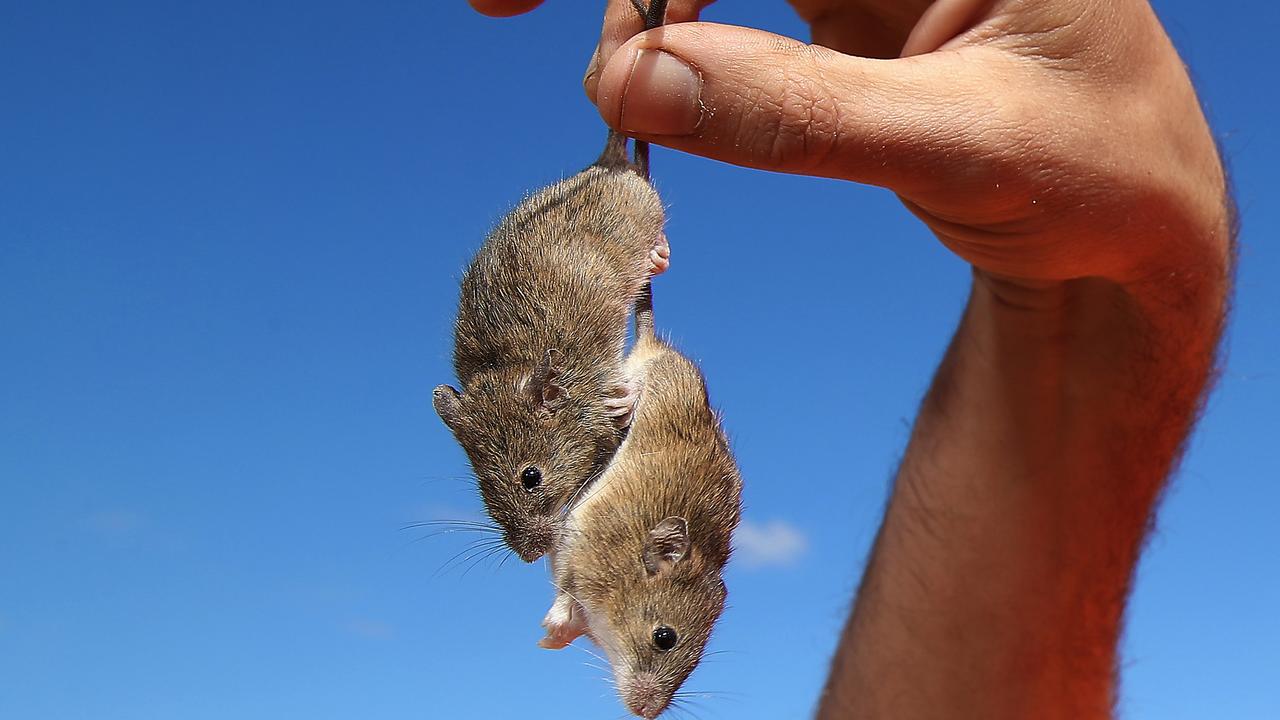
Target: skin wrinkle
(1034, 44)
(786, 137)
(819, 129)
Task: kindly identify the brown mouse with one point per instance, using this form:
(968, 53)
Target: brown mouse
(638, 565)
(540, 335)
(539, 342)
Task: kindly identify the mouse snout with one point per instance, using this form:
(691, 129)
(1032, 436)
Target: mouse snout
(645, 697)
(533, 540)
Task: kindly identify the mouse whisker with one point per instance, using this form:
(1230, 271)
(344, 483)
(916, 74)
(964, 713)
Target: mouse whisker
(473, 559)
(559, 587)
(692, 696)
(486, 555)
(482, 544)
(684, 707)
(468, 524)
(461, 557)
(717, 693)
(568, 506)
(435, 479)
(606, 677)
(589, 652)
(595, 486)
(506, 556)
(438, 533)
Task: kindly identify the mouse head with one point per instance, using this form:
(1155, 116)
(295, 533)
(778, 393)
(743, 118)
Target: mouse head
(659, 618)
(528, 448)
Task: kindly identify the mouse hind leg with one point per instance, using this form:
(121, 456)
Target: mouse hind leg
(565, 622)
(621, 405)
(659, 255)
(631, 220)
(639, 253)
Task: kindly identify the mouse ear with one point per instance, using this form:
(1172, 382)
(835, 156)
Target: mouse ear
(667, 545)
(448, 404)
(543, 387)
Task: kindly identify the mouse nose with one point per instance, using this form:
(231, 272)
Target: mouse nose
(533, 542)
(529, 553)
(644, 697)
(527, 548)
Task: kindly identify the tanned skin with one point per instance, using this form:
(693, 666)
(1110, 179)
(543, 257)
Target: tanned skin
(1059, 148)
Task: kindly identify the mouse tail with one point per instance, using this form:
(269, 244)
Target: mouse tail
(614, 156)
(645, 329)
(653, 17)
(653, 14)
(641, 161)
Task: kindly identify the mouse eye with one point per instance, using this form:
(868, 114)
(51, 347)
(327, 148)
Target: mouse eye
(531, 478)
(664, 638)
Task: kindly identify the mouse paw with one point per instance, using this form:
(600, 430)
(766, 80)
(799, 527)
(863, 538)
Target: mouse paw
(563, 626)
(622, 406)
(659, 256)
(557, 639)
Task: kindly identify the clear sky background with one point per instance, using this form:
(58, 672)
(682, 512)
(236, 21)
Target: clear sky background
(230, 238)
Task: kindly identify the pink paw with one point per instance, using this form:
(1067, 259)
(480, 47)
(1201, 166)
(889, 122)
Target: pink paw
(622, 407)
(659, 256)
(563, 626)
(557, 639)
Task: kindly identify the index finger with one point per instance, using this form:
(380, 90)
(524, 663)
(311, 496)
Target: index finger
(504, 8)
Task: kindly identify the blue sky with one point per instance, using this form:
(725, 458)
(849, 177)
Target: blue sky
(230, 238)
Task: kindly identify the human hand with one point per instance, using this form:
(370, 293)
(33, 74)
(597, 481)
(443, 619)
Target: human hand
(1050, 143)
(1040, 141)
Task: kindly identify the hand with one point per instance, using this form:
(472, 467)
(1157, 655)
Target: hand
(1039, 140)
(1056, 145)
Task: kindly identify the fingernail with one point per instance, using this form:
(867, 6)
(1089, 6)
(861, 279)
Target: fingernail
(662, 96)
(592, 75)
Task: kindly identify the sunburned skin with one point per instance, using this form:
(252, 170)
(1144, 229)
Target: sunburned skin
(638, 566)
(539, 343)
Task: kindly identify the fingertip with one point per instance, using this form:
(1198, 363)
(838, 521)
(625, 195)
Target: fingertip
(647, 89)
(504, 8)
(941, 23)
(611, 83)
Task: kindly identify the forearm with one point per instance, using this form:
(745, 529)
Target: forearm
(997, 584)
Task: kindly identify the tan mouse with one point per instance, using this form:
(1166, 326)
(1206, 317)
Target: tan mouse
(638, 565)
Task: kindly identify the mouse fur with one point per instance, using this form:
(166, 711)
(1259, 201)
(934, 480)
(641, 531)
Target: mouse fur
(645, 546)
(539, 342)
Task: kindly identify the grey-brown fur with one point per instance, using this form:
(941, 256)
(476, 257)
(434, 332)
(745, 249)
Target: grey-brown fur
(539, 341)
(621, 567)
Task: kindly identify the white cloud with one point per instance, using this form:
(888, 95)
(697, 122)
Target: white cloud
(770, 544)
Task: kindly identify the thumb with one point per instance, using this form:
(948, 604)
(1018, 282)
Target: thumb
(752, 98)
